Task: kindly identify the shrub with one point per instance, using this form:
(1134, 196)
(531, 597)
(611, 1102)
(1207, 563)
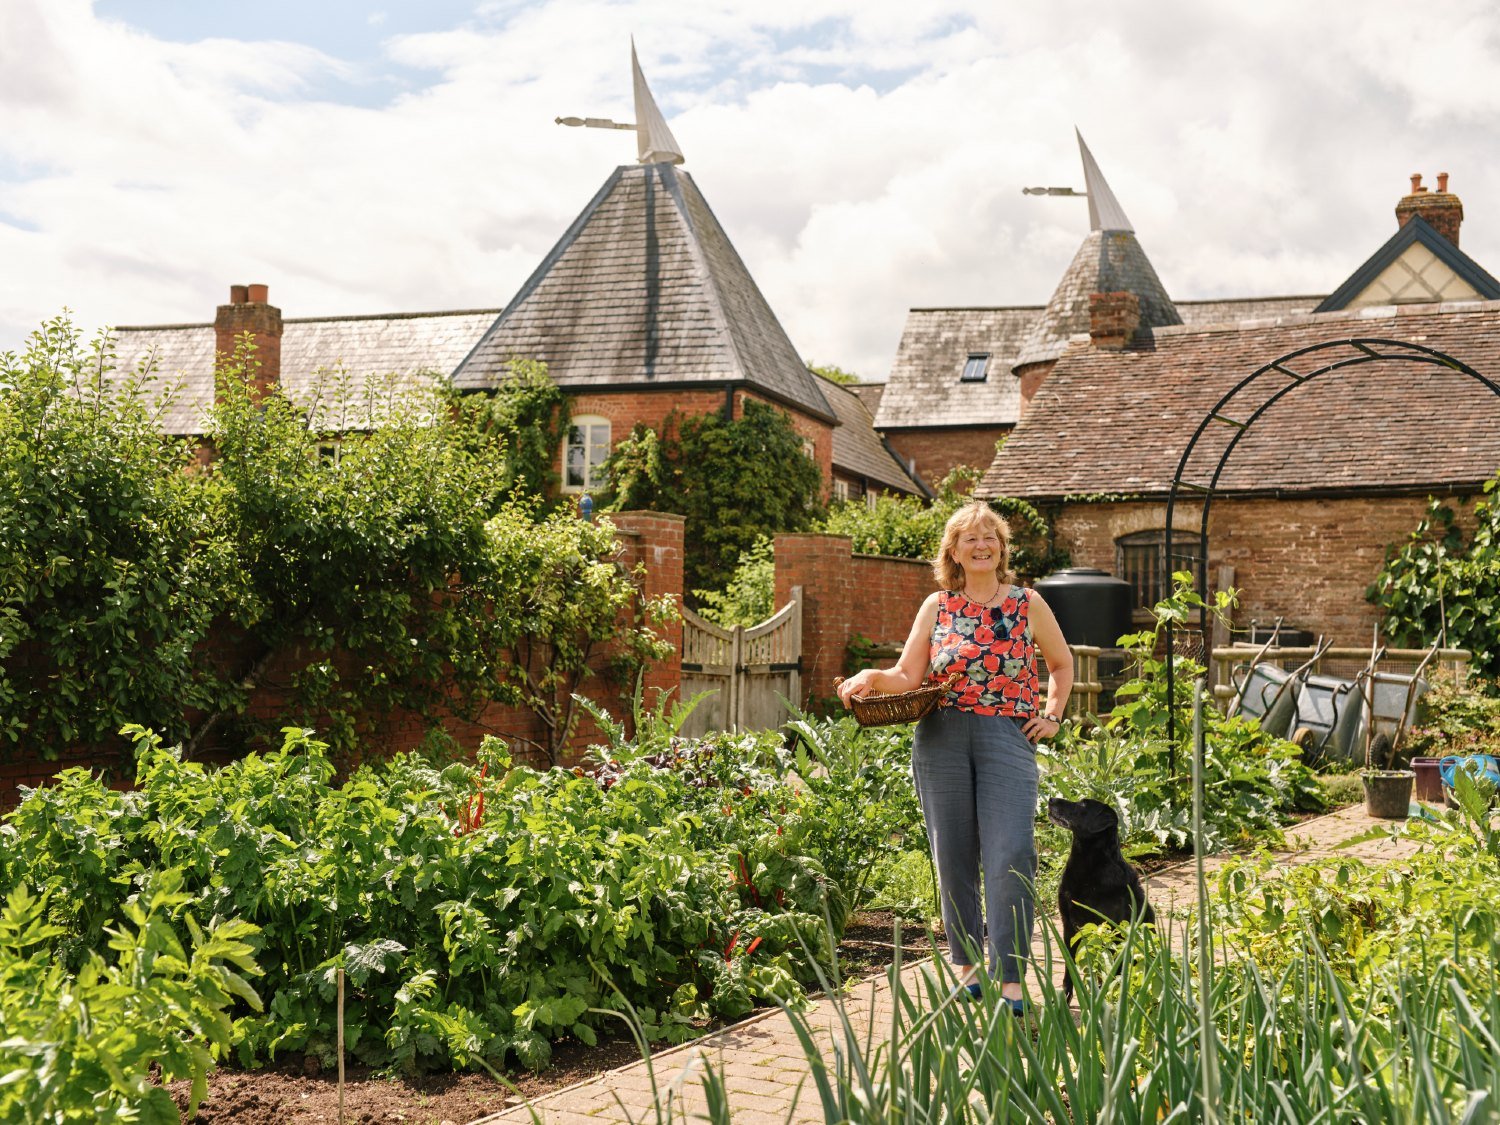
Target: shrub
(1438, 583)
(112, 568)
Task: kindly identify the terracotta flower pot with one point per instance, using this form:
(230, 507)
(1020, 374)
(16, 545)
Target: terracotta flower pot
(1388, 793)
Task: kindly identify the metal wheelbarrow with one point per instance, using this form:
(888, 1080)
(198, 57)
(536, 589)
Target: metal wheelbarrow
(1329, 713)
(1268, 692)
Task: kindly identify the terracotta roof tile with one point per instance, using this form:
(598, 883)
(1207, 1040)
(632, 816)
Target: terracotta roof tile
(1119, 421)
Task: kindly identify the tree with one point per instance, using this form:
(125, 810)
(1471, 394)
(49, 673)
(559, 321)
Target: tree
(111, 569)
(834, 374)
(734, 481)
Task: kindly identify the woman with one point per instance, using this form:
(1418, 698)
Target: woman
(974, 758)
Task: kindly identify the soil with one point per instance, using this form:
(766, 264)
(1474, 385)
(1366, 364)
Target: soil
(300, 1093)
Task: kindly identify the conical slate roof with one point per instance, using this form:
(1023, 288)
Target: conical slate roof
(1109, 261)
(645, 289)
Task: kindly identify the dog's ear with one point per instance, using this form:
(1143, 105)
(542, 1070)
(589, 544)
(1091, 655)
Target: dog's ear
(1097, 816)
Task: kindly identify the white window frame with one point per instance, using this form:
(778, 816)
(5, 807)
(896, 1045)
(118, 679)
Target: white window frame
(584, 437)
(840, 491)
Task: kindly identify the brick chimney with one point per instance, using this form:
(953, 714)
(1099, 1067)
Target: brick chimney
(1113, 319)
(249, 311)
(1441, 208)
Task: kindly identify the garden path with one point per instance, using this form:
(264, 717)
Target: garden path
(763, 1061)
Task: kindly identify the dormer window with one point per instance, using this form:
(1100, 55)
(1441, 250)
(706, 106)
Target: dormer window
(976, 367)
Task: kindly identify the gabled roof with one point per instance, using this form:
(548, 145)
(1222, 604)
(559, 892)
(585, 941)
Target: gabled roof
(925, 391)
(858, 450)
(406, 352)
(1117, 422)
(646, 290)
(1416, 264)
(1109, 261)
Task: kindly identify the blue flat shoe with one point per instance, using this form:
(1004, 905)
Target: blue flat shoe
(1019, 1005)
(968, 992)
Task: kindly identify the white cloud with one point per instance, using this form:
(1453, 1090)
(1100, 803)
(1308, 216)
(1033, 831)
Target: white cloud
(864, 156)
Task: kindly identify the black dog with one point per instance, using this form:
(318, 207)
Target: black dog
(1098, 883)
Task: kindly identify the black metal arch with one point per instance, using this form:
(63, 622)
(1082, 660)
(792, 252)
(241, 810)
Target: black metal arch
(1345, 353)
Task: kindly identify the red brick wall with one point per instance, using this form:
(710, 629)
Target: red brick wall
(844, 594)
(938, 451)
(1309, 561)
(651, 539)
(627, 409)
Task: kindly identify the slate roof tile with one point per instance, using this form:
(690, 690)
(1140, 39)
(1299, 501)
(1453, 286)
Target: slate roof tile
(645, 287)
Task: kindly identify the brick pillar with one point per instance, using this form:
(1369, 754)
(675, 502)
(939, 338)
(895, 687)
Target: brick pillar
(653, 541)
(821, 565)
(249, 311)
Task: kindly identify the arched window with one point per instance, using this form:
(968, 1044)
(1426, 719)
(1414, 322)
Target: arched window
(1141, 560)
(584, 452)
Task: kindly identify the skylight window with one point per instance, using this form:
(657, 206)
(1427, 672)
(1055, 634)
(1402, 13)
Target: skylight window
(976, 367)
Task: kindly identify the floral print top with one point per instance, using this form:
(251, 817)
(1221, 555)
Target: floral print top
(992, 646)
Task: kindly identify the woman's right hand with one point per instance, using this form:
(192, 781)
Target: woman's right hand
(858, 684)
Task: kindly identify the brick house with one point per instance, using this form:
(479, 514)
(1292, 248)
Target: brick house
(642, 308)
(951, 396)
(1319, 486)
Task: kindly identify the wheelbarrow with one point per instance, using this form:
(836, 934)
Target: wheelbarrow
(1329, 713)
(1392, 699)
(1268, 692)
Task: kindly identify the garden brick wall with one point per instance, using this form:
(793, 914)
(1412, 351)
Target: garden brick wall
(938, 451)
(649, 539)
(844, 595)
(1308, 560)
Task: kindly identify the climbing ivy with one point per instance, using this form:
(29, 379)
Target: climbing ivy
(734, 480)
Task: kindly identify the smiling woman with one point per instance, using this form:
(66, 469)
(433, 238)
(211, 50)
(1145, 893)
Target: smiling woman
(974, 758)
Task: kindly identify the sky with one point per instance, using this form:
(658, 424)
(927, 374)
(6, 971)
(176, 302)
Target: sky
(865, 156)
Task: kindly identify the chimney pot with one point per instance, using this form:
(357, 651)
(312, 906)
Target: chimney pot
(259, 294)
(1441, 209)
(239, 294)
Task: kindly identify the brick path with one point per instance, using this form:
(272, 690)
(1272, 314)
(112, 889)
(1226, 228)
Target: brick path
(763, 1061)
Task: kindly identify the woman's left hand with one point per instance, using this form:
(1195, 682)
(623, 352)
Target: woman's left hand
(1040, 727)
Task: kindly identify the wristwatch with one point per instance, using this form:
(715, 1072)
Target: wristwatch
(1053, 719)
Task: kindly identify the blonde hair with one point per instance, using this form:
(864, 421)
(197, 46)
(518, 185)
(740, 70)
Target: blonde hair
(975, 514)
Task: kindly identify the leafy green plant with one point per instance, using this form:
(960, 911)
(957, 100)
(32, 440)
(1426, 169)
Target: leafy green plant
(1253, 779)
(750, 595)
(480, 911)
(100, 1042)
(1456, 718)
(1441, 583)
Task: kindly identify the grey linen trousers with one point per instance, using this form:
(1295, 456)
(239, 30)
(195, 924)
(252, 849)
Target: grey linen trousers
(976, 777)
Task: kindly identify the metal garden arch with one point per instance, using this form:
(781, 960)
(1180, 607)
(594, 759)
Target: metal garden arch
(1331, 355)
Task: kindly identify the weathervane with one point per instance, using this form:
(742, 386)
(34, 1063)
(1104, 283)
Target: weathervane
(1024, 190)
(654, 141)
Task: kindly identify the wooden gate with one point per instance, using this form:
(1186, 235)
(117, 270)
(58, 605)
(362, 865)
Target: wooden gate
(749, 670)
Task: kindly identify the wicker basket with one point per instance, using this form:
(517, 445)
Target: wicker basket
(879, 709)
